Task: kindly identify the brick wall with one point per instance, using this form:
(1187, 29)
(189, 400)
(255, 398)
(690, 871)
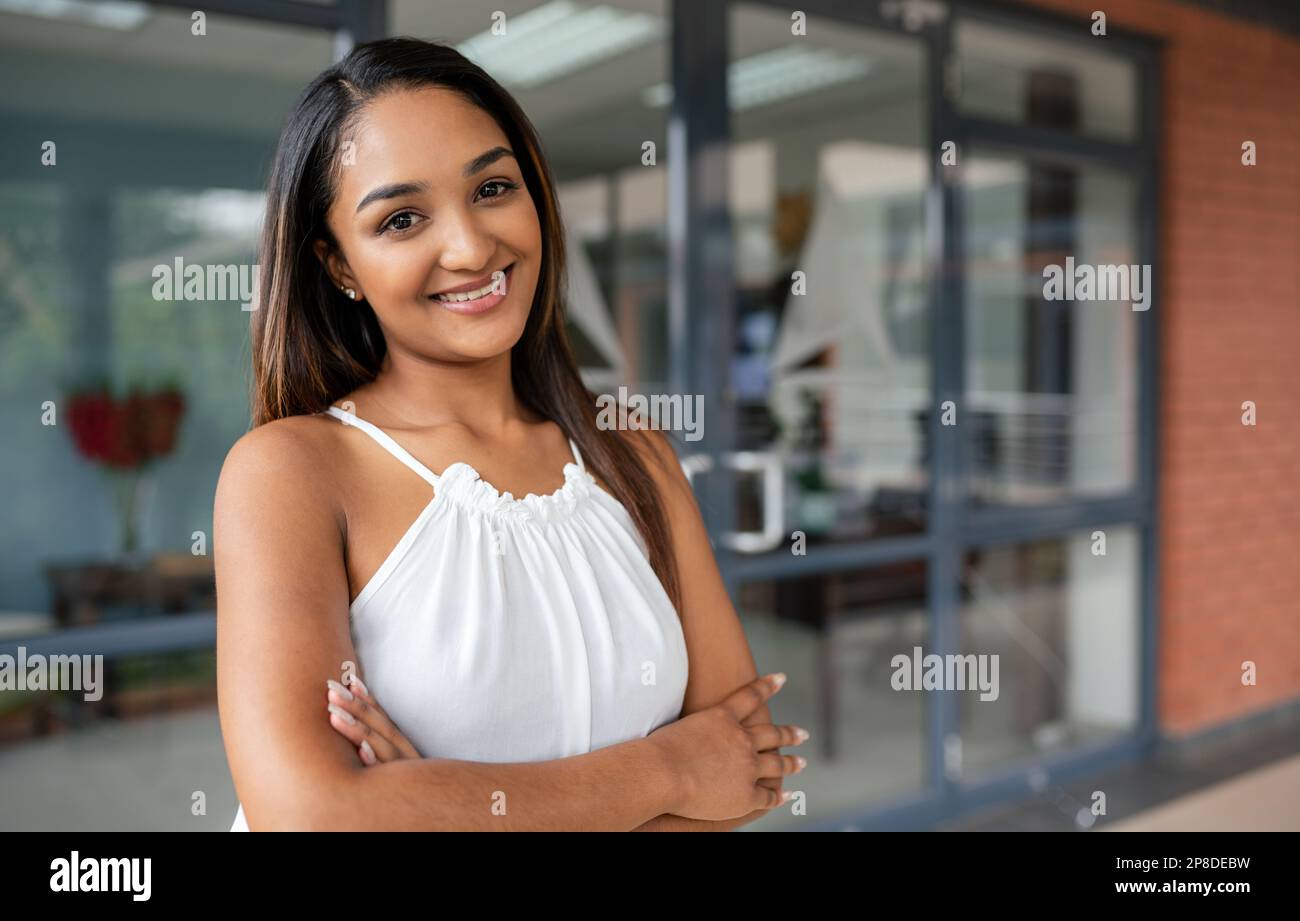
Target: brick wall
(1230, 322)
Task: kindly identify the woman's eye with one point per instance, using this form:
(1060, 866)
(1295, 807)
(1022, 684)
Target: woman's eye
(393, 223)
(503, 183)
(402, 220)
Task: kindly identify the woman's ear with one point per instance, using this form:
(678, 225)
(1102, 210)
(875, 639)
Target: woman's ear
(336, 267)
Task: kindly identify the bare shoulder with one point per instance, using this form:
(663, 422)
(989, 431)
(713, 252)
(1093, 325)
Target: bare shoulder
(284, 443)
(294, 452)
(285, 467)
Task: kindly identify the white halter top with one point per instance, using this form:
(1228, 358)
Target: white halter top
(508, 630)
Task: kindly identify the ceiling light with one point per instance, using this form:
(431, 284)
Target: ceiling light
(558, 38)
(771, 76)
(111, 14)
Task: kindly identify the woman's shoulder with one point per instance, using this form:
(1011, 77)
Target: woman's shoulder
(285, 462)
(288, 445)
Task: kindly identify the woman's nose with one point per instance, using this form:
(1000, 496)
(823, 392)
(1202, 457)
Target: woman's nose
(463, 244)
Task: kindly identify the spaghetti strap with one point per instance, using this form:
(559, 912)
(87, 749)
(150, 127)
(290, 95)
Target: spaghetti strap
(577, 456)
(386, 442)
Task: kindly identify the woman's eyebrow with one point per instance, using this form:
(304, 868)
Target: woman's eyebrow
(398, 189)
(392, 190)
(486, 159)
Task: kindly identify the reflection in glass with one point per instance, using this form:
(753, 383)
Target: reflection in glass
(1051, 409)
(831, 362)
(835, 637)
(1062, 617)
(1028, 79)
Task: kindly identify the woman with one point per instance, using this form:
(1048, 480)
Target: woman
(392, 658)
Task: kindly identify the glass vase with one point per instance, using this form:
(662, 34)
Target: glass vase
(131, 489)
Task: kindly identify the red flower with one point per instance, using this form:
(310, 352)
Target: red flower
(158, 419)
(89, 415)
(126, 433)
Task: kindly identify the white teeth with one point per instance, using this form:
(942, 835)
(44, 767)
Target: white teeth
(481, 292)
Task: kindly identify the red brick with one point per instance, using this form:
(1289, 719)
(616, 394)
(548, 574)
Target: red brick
(1229, 238)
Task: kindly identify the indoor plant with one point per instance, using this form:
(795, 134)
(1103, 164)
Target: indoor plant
(125, 435)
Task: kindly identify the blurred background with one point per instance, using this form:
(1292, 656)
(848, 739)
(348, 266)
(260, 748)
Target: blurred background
(905, 446)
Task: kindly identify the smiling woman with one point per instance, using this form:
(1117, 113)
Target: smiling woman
(565, 660)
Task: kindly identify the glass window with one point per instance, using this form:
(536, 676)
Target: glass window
(161, 139)
(1051, 407)
(831, 363)
(1062, 616)
(199, 342)
(836, 636)
(1044, 83)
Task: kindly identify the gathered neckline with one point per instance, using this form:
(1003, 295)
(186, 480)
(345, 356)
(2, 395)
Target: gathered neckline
(462, 485)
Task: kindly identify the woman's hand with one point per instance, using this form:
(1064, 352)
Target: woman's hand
(724, 769)
(360, 719)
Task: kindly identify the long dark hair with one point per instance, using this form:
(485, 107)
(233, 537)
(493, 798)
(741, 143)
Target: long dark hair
(311, 345)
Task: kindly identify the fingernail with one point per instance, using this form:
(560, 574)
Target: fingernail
(367, 753)
(339, 689)
(778, 679)
(343, 714)
(786, 794)
(800, 734)
(355, 681)
(800, 763)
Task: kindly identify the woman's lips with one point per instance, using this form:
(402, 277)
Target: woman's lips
(482, 304)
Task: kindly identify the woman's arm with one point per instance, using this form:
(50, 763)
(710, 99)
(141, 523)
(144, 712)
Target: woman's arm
(282, 631)
(719, 656)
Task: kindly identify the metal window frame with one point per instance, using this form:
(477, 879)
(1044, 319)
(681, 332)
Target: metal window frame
(702, 309)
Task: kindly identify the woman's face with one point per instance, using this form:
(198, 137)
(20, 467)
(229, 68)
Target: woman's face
(423, 206)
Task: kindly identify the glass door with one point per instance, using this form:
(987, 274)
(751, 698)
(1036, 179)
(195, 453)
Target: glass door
(913, 451)
(830, 388)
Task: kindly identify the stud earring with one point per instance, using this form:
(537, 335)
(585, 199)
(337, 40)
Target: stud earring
(352, 295)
